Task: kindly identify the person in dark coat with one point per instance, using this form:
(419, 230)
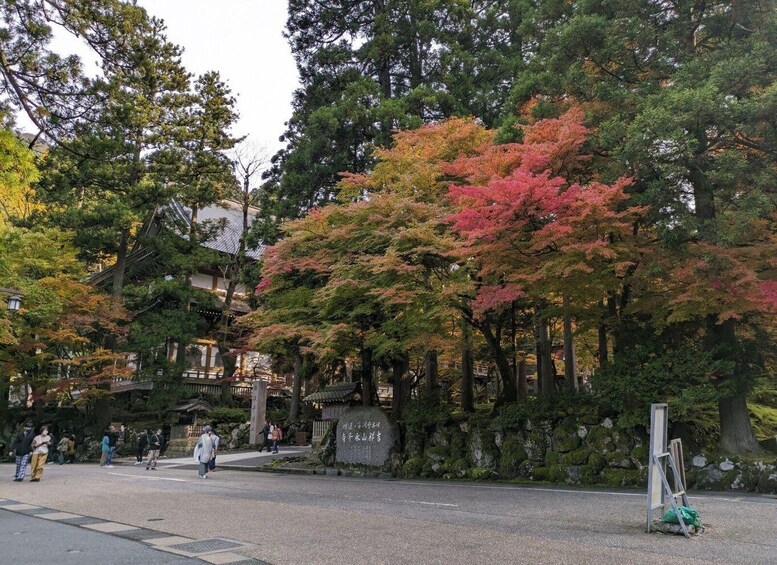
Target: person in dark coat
(266, 432)
(142, 443)
(21, 448)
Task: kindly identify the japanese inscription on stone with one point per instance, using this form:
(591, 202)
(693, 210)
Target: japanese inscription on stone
(365, 436)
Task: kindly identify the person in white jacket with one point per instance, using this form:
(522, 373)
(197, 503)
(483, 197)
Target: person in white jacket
(205, 451)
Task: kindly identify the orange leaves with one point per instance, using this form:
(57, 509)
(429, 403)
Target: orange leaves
(552, 145)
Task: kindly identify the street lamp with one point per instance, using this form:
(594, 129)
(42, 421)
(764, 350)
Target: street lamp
(14, 300)
(14, 303)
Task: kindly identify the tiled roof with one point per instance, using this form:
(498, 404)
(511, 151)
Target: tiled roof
(335, 393)
(195, 405)
(227, 215)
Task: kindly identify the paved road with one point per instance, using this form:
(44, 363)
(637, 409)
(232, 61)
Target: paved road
(33, 541)
(315, 519)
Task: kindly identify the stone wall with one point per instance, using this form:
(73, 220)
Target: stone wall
(571, 452)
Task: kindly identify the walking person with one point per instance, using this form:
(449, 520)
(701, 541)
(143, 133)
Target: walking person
(40, 452)
(154, 447)
(277, 435)
(113, 438)
(105, 448)
(21, 448)
(62, 449)
(212, 462)
(204, 451)
(142, 443)
(70, 452)
(266, 432)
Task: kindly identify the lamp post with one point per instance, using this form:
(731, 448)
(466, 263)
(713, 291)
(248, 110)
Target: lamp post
(13, 303)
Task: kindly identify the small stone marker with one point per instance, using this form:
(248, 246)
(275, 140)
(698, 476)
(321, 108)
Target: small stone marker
(365, 436)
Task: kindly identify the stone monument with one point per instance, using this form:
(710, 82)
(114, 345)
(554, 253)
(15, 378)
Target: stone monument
(258, 410)
(365, 436)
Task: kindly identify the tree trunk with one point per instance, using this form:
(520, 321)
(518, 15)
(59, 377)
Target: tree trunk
(431, 370)
(400, 390)
(570, 378)
(602, 352)
(121, 264)
(544, 359)
(467, 368)
(230, 368)
(508, 392)
(366, 376)
(523, 387)
(736, 431)
(296, 388)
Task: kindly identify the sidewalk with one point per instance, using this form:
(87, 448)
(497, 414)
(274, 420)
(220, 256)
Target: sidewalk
(26, 539)
(242, 460)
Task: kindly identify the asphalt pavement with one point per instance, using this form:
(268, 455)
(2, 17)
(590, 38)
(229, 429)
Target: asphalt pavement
(315, 519)
(36, 541)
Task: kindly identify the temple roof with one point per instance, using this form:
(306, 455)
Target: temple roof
(335, 393)
(226, 216)
(194, 405)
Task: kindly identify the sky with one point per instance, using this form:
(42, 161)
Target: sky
(243, 40)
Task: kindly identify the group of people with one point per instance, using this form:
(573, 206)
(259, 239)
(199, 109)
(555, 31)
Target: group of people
(29, 447)
(272, 435)
(153, 442)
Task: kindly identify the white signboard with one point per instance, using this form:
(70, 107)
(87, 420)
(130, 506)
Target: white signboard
(659, 423)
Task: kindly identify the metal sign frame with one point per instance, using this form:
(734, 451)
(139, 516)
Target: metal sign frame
(659, 426)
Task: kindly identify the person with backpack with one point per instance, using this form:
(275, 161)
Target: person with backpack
(154, 447)
(21, 448)
(212, 462)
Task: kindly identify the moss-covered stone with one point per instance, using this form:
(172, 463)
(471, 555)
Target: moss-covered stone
(597, 462)
(526, 469)
(565, 438)
(640, 453)
(511, 456)
(437, 454)
(457, 468)
(588, 476)
(414, 444)
(557, 474)
(623, 440)
(599, 439)
(482, 449)
(414, 468)
(576, 457)
(458, 443)
(536, 444)
(440, 437)
(768, 481)
(552, 458)
(619, 459)
(480, 473)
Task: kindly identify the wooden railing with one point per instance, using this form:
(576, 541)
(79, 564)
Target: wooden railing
(320, 428)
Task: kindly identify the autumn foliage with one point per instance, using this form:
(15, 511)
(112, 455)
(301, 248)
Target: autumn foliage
(452, 225)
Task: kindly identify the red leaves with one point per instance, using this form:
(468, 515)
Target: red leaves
(530, 226)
